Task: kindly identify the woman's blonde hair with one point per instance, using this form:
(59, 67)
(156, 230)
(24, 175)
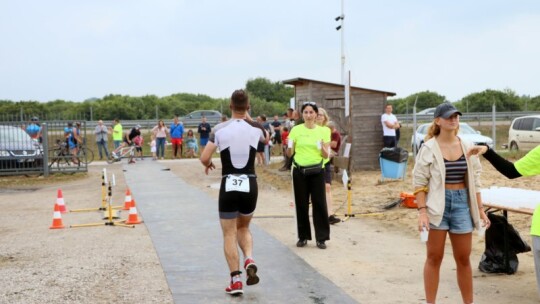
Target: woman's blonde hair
(434, 130)
(325, 115)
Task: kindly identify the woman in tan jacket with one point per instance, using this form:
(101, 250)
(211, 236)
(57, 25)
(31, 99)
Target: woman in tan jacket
(447, 189)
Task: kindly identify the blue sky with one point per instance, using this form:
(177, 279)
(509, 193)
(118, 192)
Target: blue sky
(74, 50)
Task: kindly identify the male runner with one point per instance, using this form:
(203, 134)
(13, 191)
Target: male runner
(237, 141)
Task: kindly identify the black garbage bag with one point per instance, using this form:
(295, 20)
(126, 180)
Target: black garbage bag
(397, 154)
(493, 260)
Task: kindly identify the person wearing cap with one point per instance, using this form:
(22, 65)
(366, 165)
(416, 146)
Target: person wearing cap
(34, 129)
(128, 141)
(447, 189)
(528, 165)
(390, 124)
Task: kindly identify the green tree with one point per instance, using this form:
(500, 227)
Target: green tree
(534, 104)
(426, 99)
(505, 101)
(269, 91)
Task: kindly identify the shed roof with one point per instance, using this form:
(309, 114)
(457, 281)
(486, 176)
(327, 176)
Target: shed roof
(299, 80)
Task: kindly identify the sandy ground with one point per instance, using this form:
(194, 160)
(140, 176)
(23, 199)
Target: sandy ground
(375, 256)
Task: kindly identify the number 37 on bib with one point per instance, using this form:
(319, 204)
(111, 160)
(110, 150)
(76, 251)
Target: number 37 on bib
(237, 183)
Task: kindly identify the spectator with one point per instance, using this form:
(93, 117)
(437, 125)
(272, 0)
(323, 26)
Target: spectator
(204, 130)
(284, 141)
(390, 124)
(177, 133)
(101, 133)
(260, 146)
(153, 146)
(323, 120)
(268, 146)
(71, 133)
(34, 129)
(447, 189)
(276, 124)
(528, 165)
(160, 131)
(309, 143)
(287, 116)
(192, 145)
(117, 133)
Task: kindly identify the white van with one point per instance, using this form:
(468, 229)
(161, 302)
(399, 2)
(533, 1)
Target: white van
(524, 133)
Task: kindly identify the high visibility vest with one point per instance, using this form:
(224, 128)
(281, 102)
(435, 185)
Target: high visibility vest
(535, 225)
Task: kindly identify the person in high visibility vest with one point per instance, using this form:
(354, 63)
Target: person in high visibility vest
(528, 165)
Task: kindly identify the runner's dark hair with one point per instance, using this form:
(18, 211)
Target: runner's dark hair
(239, 101)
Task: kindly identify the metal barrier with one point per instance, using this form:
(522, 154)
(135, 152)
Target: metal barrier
(41, 148)
(468, 117)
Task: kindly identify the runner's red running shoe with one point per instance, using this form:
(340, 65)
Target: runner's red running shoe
(251, 271)
(234, 289)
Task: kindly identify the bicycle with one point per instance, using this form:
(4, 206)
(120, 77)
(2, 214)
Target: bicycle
(61, 156)
(127, 151)
(85, 154)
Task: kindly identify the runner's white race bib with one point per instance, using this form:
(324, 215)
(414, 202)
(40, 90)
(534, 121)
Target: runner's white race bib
(237, 183)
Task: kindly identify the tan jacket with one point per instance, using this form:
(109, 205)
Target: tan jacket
(429, 170)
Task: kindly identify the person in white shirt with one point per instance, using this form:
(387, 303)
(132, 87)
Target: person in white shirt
(390, 124)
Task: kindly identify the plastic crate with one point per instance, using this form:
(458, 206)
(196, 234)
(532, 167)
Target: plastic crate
(392, 170)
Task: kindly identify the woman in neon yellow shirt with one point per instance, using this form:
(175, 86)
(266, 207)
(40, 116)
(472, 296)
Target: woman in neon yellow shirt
(310, 144)
(528, 165)
(323, 120)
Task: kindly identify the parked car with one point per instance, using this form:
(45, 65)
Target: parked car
(194, 118)
(428, 111)
(18, 149)
(524, 133)
(465, 131)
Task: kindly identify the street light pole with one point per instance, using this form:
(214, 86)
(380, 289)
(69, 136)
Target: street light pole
(341, 27)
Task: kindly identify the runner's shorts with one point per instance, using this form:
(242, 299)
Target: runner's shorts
(234, 203)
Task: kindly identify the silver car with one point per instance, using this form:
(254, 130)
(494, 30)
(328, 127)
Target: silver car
(465, 131)
(193, 119)
(17, 148)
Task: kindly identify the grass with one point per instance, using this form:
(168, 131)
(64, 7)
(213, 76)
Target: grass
(32, 181)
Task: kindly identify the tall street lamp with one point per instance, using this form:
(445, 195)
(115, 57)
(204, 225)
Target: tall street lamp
(340, 27)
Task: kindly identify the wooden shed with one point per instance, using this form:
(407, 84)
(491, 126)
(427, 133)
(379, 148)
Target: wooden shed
(367, 106)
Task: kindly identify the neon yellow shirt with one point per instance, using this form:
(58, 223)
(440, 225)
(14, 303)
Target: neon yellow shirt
(529, 165)
(117, 132)
(307, 143)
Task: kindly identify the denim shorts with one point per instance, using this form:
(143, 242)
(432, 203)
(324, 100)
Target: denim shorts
(457, 215)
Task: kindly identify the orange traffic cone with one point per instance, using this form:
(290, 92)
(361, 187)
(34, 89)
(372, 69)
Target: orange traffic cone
(133, 218)
(127, 200)
(60, 201)
(57, 218)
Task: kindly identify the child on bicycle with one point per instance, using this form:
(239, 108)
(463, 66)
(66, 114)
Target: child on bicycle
(138, 140)
(128, 141)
